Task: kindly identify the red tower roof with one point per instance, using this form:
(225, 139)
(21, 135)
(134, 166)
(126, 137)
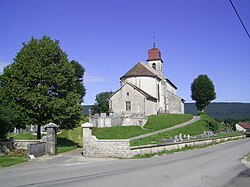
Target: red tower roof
(154, 54)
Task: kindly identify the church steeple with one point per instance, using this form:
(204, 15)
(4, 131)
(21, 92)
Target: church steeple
(154, 58)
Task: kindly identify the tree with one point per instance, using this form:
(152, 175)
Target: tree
(43, 85)
(203, 91)
(8, 120)
(101, 103)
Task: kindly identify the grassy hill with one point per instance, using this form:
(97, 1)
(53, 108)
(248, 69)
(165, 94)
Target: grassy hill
(71, 139)
(193, 129)
(237, 111)
(155, 122)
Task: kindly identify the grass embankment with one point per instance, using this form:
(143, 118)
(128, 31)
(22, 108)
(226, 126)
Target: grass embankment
(193, 129)
(155, 122)
(248, 157)
(13, 158)
(69, 139)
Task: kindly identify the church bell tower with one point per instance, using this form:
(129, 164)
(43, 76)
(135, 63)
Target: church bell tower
(154, 58)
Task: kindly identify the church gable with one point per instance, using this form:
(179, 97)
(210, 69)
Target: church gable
(125, 92)
(130, 99)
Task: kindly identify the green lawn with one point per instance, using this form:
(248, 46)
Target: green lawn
(22, 136)
(119, 132)
(6, 161)
(162, 121)
(155, 122)
(193, 129)
(13, 158)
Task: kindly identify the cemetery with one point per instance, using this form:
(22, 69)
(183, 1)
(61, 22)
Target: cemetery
(116, 148)
(93, 147)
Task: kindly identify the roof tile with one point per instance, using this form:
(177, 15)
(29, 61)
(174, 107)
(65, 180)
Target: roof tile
(139, 70)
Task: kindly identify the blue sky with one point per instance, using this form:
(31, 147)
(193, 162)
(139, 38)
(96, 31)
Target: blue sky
(109, 37)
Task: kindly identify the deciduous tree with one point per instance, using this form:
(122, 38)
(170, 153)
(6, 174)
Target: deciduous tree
(101, 102)
(44, 85)
(203, 91)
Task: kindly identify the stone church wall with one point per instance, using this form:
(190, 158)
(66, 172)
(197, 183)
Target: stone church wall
(115, 120)
(147, 84)
(138, 102)
(176, 106)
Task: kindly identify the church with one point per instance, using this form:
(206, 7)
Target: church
(146, 91)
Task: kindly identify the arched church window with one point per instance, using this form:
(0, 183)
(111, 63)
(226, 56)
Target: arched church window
(154, 65)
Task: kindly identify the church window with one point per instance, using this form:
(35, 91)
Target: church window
(127, 93)
(154, 65)
(128, 105)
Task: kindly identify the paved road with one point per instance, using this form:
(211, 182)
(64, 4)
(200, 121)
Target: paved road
(213, 166)
(195, 118)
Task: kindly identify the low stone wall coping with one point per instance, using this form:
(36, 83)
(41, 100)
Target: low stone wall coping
(26, 140)
(87, 125)
(190, 141)
(121, 140)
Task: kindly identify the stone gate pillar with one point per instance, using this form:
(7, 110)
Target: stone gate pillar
(86, 140)
(86, 132)
(51, 142)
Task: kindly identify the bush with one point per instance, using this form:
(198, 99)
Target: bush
(18, 153)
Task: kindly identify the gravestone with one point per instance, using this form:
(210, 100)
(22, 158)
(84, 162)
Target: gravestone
(96, 115)
(176, 138)
(103, 115)
(180, 137)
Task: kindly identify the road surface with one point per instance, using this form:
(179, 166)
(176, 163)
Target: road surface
(213, 166)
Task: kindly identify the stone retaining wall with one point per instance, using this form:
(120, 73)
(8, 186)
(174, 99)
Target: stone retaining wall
(92, 147)
(148, 149)
(5, 147)
(9, 145)
(106, 148)
(22, 144)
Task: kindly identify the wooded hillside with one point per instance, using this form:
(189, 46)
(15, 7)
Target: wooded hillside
(237, 111)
